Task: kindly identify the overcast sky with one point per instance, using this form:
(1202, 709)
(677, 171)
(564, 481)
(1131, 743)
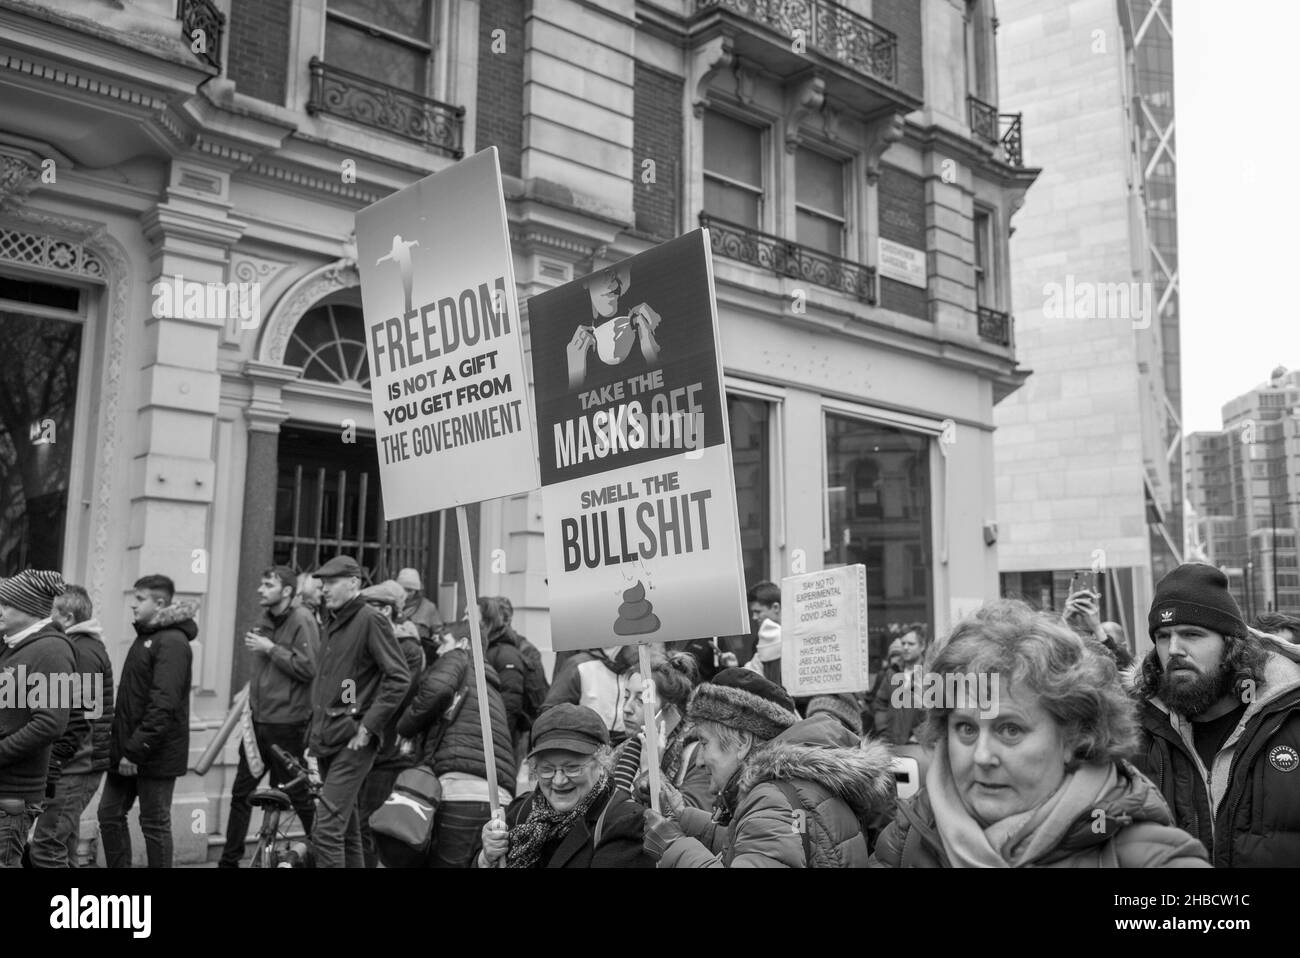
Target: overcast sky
(1236, 73)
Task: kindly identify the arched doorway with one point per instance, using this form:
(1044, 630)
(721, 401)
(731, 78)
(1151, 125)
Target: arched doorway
(328, 497)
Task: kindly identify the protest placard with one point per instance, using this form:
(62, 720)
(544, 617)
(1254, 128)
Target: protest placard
(639, 502)
(446, 354)
(824, 643)
(447, 379)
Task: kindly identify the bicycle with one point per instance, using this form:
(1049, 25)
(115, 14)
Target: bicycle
(275, 848)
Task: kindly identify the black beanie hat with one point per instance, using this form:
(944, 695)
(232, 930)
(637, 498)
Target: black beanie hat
(1196, 594)
(744, 700)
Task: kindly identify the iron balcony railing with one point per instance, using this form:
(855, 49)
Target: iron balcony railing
(786, 258)
(995, 326)
(1000, 129)
(362, 100)
(201, 20)
(835, 31)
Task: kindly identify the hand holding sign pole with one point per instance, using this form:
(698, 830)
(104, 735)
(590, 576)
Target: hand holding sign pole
(476, 646)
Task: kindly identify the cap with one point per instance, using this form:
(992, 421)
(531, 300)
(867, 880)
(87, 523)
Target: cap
(409, 579)
(338, 567)
(387, 591)
(571, 728)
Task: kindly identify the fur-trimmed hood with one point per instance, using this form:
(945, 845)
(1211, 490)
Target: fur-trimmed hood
(179, 615)
(822, 751)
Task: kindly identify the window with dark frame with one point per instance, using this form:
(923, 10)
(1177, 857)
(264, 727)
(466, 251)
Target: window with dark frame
(750, 421)
(733, 170)
(820, 216)
(385, 40)
(983, 259)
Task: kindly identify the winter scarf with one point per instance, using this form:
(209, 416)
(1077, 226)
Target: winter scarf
(724, 805)
(670, 762)
(544, 824)
(1019, 839)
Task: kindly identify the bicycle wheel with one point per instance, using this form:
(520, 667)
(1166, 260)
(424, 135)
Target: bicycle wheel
(266, 842)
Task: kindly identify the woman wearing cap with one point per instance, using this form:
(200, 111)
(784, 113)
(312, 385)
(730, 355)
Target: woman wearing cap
(575, 818)
(790, 793)
(674, 677)
(1034, 775)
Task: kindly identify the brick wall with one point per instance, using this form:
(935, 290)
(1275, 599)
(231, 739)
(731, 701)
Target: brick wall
(258, 50)
(500, 102)
(902, 219)
(903, 17)
(657, 135)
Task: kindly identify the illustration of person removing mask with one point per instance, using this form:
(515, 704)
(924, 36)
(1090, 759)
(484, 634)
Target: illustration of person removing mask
(612, 332)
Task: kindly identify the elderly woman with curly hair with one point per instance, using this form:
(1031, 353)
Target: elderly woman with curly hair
(1030, 742)
(575, 818)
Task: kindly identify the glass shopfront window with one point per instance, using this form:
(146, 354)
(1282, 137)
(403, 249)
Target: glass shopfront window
(38, 397)
(879, 513)
(751, 461)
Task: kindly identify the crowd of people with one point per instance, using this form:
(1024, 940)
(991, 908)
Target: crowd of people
(1189, 757)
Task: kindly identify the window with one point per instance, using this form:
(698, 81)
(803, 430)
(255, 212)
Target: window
(983, 258)
(979, 43)
(385, 40)
(751, 462)
(38, 397)
(733, 170)
(329, 343)
(819, 202)
(878, 513)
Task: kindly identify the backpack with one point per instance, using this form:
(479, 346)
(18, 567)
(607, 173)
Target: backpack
(536, 687)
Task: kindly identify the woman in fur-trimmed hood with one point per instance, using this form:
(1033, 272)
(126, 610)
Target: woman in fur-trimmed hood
(791, 793)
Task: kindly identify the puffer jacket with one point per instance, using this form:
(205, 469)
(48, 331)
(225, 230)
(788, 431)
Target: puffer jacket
(461, 746)
(505, 656)
(151, 716)
(1246, 807)
(838, 782)
(1138, 833)
(85, 744)
(31, 724)
(594, 679)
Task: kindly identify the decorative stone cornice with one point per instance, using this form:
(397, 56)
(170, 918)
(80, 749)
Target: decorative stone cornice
(265, 410)
(804, 100)
(881, 134)
(19, 175)
(316, 182)
(527, 238)
(92, 85)
(706, 61)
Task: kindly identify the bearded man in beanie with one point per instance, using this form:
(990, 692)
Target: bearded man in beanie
(1221, 723)
(791, 793)
(30, 723)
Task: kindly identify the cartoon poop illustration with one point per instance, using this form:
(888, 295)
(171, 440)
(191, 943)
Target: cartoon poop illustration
(636, 615)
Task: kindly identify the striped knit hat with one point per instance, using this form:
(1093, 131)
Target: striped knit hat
(32, 591)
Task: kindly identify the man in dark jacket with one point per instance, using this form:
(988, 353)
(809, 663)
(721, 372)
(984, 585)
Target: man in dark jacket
(1221, 723)
(30, 723)
(283, 663)
(150, 741)
(361, 679)
(393, 756)
(455, 752)
(80, 757)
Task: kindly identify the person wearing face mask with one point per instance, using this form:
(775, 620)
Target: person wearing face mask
(453, 749)
(674, 677)
(791, 793)
(575, 818)
(1030, 770)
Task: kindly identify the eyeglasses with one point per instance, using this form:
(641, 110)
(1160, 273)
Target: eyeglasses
(547, 772)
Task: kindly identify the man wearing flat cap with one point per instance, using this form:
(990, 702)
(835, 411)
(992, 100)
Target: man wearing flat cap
(33, 645)
(361, 679)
